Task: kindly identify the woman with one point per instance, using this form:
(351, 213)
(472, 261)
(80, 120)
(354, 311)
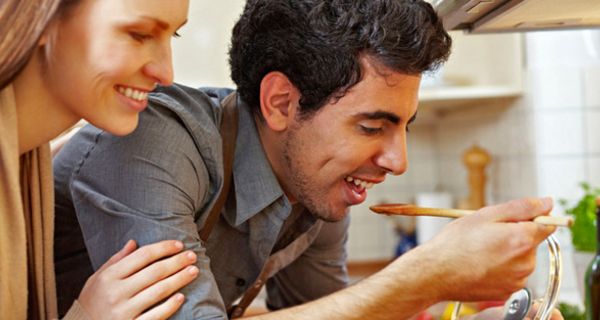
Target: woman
(61, 61)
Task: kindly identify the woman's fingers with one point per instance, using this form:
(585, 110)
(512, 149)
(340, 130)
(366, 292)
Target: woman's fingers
(162, 289)
(128, 248)
(157, 271)
(134, 280)
(143, 257)
(165, 309)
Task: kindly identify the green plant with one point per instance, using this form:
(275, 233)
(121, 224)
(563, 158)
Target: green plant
(583, 231)
(570, 312)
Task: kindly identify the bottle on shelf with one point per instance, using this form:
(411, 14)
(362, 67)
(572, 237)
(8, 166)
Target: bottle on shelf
(592, 277)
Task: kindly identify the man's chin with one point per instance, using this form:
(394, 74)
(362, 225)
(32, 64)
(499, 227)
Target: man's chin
(333, 216)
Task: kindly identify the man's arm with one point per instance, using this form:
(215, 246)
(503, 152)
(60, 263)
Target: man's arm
(487, 255)
(147, 186)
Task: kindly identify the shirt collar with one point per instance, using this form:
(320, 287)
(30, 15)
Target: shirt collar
(256, 186)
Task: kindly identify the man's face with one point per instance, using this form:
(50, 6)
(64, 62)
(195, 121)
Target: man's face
(332, 158)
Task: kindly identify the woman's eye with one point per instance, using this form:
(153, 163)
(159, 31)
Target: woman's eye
(141, 37)
(176, 35)
(370, 130)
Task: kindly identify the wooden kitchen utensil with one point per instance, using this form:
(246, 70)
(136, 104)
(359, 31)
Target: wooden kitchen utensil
(412, 210)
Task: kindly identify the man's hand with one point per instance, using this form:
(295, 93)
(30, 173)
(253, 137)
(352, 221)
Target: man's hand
(556, 315)
(488, 255)
(497, 313)
(484, 256)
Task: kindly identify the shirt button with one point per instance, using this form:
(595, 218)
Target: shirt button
(240, 282)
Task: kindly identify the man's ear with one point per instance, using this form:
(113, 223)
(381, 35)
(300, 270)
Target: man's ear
(278, 100)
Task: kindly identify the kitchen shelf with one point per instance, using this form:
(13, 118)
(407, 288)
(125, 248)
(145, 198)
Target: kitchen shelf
(480, 69)
(456, 95)
(432, 94)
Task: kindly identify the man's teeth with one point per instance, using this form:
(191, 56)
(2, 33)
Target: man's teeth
(133, 93)
(358, 182)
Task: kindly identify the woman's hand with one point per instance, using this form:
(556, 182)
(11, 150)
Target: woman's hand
(132, 281)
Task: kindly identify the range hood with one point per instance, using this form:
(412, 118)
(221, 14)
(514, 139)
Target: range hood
(480, 16)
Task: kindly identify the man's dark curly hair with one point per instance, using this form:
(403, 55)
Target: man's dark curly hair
(317, 44)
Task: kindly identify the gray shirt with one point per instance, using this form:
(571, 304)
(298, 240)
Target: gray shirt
(161, 181)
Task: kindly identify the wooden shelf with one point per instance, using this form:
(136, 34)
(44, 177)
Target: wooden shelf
(452, 96)
(480, 69)
(467, 93)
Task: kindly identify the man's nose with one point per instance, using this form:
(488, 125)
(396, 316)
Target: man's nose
(393, 157)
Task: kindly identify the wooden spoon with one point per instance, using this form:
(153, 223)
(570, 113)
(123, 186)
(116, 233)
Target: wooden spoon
(406, 209)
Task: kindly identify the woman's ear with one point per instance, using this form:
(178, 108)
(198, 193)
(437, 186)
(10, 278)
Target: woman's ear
(279, 100)
(43, 39)
(48, 31)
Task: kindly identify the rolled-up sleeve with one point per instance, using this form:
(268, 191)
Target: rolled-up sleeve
(148, 186)
(319, 271)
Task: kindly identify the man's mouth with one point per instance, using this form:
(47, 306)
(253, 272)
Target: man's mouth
(356, 190)
(359, 185)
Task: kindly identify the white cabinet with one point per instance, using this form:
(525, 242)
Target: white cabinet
(487, 66)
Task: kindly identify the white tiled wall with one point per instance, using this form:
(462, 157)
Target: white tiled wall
(564, 74)
(556, 87)
(591, 79)
(593, 168)
(592, 127)
(559, 132)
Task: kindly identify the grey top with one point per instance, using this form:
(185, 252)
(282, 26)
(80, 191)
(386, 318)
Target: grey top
(161, 181)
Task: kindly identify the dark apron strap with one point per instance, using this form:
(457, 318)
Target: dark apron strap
(274, 264)
(228, 129)
(277, 261)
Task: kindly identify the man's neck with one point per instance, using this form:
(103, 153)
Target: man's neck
(273, 150)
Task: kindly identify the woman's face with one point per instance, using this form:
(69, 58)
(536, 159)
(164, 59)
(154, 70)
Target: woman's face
(104, 56)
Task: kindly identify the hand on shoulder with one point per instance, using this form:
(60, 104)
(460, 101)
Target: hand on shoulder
(134, 280)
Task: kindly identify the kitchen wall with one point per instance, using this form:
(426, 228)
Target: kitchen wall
(200, 55)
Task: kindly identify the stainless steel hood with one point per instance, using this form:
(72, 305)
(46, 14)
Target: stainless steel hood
(481, 16)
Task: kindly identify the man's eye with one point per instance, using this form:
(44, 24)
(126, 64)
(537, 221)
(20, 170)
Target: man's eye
(141, 37)
(371, 130)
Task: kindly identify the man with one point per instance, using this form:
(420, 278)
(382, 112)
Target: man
(325, 92)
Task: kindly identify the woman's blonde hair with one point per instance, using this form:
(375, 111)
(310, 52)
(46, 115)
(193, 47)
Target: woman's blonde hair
(22, 23)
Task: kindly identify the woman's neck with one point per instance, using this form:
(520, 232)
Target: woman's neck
(40, 116)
